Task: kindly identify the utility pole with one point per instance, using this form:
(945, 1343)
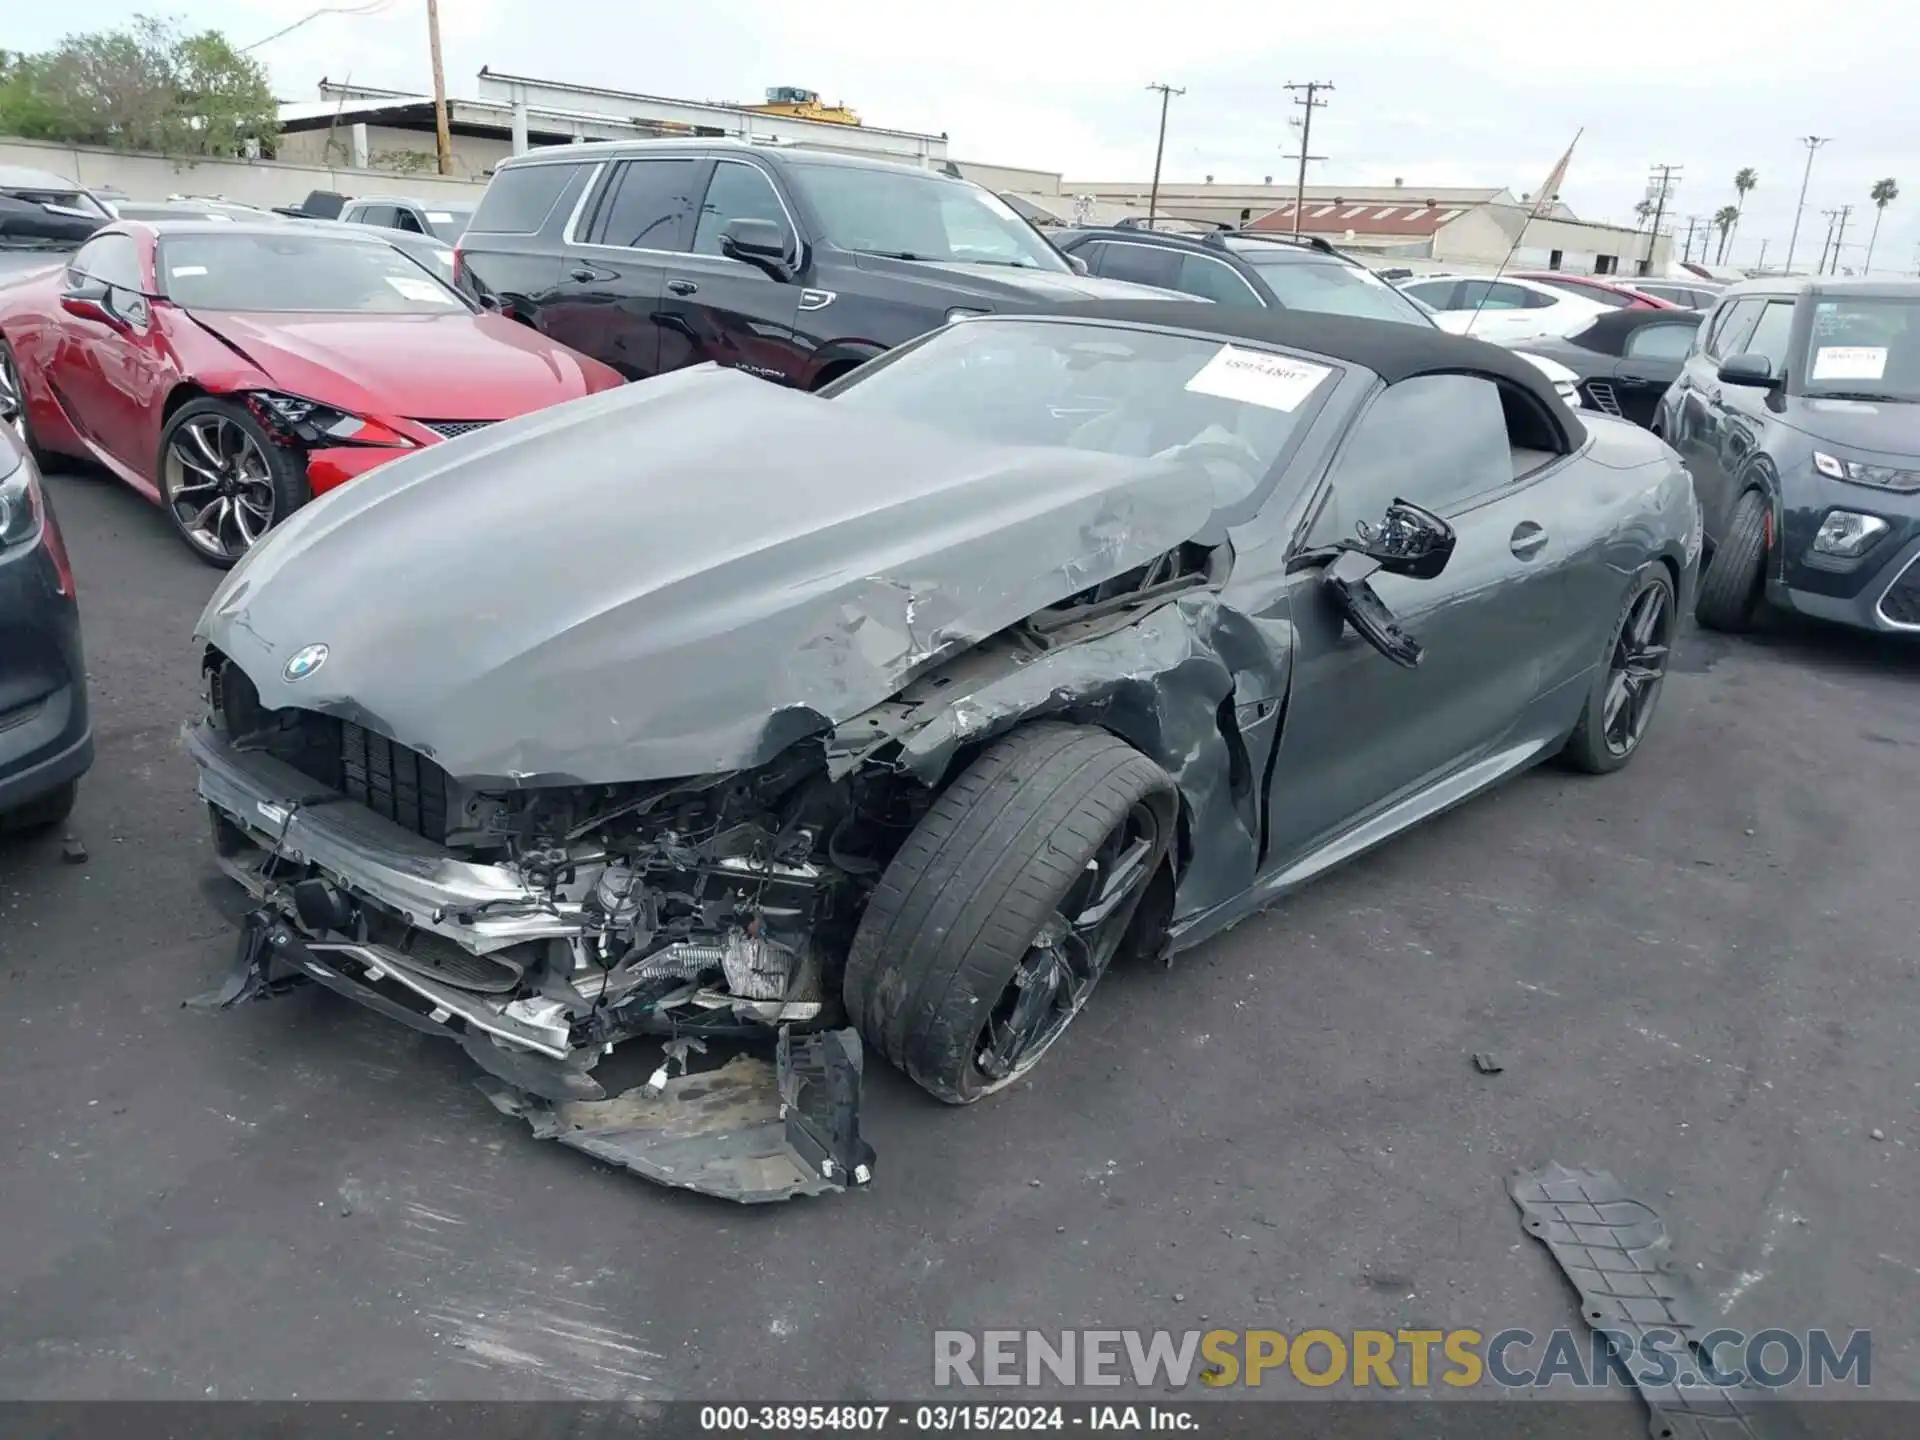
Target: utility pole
(442, 135)
(1840, 238)
(1311, 102)
(1813, 143)
(1167, 92)
(1820, 268)
(1761, 263)
(1663, 177)
(1687, 252)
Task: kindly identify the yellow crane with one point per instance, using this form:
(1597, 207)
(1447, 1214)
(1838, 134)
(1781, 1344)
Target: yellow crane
(798, 104)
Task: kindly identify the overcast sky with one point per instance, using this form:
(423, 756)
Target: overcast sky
(1422, 92)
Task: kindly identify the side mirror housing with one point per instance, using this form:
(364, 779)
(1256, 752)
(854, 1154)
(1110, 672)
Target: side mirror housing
(1077, 265)
(1746, 369)
(88, 306)
(758, 242)
(1408, 541)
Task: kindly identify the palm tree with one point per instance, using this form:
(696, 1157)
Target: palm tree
(1744, 180)
(1725, 218)
(1642, 213)
(1884, 193)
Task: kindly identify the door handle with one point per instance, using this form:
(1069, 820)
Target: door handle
(1635, 377)
(586, 275)
(682, 287)
(1528, 540)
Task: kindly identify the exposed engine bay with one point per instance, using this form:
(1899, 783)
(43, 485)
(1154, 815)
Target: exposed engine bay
(716, 909)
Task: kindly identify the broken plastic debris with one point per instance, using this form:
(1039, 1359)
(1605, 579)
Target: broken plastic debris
(1486, 1064)
(73, 851)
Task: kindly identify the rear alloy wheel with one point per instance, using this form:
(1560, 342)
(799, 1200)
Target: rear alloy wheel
(1001, 912)
(1627, 687)
(223, 481)
(1732, 582)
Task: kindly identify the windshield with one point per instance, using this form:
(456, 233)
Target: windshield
(449, 222)
(1330, 287)
(1864, 347)
(299, 272)
(916, 216)
(1229, 410)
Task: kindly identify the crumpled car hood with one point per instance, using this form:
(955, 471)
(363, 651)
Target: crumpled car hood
(674, 578)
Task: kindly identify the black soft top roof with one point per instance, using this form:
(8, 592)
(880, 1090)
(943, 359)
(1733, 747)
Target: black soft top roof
(1394, 351)
(1608, 333)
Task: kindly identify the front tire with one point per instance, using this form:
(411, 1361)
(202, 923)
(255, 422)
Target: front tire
(13, 405)
(224, 482)
(1731, 585)
(1626, 689)
(1000, 913)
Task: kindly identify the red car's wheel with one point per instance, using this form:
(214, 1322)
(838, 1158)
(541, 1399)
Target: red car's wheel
(13, 402)
(223, 482)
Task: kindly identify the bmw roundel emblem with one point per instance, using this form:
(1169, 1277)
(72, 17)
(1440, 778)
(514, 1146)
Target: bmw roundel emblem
(305, 661)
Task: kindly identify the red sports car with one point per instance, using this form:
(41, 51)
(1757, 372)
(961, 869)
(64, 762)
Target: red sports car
(230, 372)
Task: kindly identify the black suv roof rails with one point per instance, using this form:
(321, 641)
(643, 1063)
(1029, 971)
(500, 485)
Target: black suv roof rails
(1310, 242)
(1140, 222)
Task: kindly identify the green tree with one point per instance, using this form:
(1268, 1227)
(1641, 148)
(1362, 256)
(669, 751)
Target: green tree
(1744, 179)
(1642, 213)
(1883, 194)
(1724, 219)
(146, 86)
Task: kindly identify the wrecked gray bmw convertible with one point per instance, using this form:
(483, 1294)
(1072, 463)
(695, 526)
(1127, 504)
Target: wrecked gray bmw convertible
(711, 711)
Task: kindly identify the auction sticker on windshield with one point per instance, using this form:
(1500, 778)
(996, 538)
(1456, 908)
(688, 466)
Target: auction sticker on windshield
(417, 289)
(1255, 377)
(1849, 362)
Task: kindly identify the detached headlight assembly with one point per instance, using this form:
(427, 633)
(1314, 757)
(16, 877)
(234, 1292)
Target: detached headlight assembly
(1847, 533)
(19, 506)
(290, 419)
(1881, 477)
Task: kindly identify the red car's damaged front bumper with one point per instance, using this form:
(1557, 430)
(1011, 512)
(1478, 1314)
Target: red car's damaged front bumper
(338, 464)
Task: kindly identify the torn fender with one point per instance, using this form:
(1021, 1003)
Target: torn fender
(1171, 684)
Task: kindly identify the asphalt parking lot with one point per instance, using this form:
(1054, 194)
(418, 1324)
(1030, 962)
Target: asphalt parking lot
(1699, 974)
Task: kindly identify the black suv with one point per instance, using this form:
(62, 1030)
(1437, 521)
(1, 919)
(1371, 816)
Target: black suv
(791, 264)
(1242, 267)
(1798, 412)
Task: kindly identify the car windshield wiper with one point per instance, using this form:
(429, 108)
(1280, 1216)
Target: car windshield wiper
(890, 254)
(1861, 395)
(1009, 264)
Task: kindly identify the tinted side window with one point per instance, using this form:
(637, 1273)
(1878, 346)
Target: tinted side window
(1215, 281)
(1497, 296)
(110, 259)
(1769, 337)
(1732, 327)
(1433, 439)
(1093, 253)
(408, 221)
(646, 205)
(1142, 264)
(373, 215)
(1660, 342)
(1534, 300)
(1437, 293)
(736, 192)
(519, 198)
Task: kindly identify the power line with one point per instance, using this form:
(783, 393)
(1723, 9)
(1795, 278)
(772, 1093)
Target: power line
(1167, 92)
(1840, 238)
(1309, 101)
(1665, 181)
(374, 7)
(1813, 143)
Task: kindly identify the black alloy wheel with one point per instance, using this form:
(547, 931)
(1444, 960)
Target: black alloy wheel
(1626, 688)
(223, 482)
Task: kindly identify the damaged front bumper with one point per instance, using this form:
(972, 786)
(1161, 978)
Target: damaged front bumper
(749, 1131)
